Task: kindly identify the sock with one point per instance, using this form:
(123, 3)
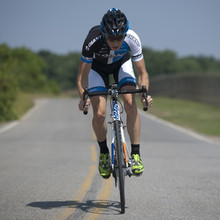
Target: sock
(103, 147)
(135, 149)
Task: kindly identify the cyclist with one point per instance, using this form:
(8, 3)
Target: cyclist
(108, 49)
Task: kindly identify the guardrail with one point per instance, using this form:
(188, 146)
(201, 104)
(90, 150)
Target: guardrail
(195, 87)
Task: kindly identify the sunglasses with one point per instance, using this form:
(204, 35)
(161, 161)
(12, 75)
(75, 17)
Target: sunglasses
(112, 39)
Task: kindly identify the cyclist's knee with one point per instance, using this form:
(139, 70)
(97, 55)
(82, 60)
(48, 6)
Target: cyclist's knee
(99, 108)
(99, 117)
(130, 106)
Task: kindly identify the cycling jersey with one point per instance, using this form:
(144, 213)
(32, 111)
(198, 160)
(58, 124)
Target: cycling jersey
(96, 47)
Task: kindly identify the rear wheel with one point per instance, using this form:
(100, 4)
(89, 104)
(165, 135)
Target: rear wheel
(119, 157)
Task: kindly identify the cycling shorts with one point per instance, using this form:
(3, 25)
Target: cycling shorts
(121, 70)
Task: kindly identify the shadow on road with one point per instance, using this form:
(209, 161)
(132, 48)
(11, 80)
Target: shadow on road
(105, 207)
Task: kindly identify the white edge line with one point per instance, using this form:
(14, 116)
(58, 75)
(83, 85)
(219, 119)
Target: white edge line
(37, 104)
(8, 126)
(177, 127)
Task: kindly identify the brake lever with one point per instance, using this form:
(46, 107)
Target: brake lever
(144, 94)
(85, 97)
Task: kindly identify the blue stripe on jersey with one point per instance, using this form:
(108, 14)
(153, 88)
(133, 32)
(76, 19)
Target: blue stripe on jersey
(86, 60)
(98, 89)
(121, 52)
(126, 79)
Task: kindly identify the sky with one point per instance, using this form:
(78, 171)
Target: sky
(187, 27)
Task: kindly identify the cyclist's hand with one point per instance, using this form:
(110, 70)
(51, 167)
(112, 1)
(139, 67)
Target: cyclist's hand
(149, 100)
(81, 103)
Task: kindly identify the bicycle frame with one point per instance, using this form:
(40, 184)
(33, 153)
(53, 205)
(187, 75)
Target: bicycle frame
(116, 116)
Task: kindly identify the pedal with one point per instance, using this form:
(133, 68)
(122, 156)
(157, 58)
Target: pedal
(129, 173)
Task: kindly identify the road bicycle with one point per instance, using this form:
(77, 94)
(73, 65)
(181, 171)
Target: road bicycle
(120, 159)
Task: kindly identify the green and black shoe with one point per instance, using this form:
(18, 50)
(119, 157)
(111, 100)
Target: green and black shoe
(137, 164)
(104, 165)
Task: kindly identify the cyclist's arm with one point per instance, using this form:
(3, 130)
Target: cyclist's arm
(143, 78)
(82, 80)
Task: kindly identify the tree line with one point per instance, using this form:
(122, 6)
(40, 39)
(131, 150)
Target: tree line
(167, 62)
(24, 70)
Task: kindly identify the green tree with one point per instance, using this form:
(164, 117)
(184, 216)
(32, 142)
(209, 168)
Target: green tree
(20, 70)
(160, 62)
(187, 65)
(61, 68)
(8, 84)
(167, 62)
(8, 95)
(28, 70)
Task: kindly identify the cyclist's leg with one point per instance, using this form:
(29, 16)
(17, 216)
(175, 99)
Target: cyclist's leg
(126, 79)
(96, 83)
(133, 119)
(99, 114)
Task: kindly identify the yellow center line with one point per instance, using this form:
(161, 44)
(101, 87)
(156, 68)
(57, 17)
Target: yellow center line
(101, 200)
(83, 189)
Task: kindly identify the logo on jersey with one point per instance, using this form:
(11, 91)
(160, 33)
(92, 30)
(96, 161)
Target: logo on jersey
(134, 39)
(92, 42)
(110, 55)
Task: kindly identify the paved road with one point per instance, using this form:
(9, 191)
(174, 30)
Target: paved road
(48, 170)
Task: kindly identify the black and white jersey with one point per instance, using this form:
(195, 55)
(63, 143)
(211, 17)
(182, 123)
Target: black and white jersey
(96, 48)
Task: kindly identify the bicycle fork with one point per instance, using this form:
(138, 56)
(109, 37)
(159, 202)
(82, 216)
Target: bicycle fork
(127, 160)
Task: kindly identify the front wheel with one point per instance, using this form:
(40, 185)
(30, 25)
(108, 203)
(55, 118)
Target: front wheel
(119, 156)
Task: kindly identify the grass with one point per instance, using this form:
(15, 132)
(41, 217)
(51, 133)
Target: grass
(199, 117)
(23, 103)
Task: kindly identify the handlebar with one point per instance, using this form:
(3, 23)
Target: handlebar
(87, 94)
(85, 97)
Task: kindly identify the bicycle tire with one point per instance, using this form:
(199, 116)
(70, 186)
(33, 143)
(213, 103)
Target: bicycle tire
(119, 156)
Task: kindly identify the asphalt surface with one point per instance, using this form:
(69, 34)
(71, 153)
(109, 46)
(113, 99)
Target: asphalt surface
(48, 170)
